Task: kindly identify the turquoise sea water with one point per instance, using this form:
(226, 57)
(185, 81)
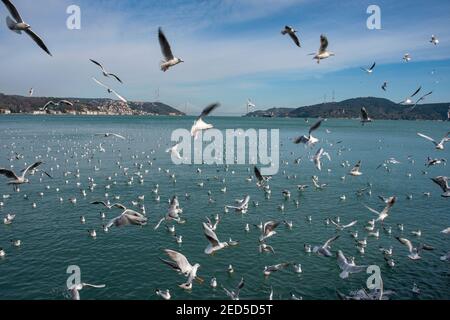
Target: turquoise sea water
(126, 259)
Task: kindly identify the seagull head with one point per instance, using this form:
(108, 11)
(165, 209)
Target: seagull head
(26, 181)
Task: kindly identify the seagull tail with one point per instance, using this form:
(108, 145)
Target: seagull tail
(11, 24)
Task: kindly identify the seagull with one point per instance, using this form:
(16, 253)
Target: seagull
(51, 103)
(370, 70)
(110, 90)
(414, 252)
(324, 250)
(31, 92)
(214, 243)
(384, 86)
(342, 227)
(422, 98)
(440, 145)
(234, 294)
(292, 33)
(199, 124)
(309, 140)
(262, 180)
(355, 170)
(322, 53)
(384, 214)
(19, 25)
(268, 270)
(265, 248)
(242, 205)
(18, 180)
(250, 104)
(445, 257)
(318, 156)
(365, 116)
(181, 264)
(346, 266)
(107, 135)
(174, 151)
(170, 60)
(408, 100)
(106, 73)
(434, 40)
(173, 213)
(76, 288)
(442, 181)
(127, 217)
(268, 230)
(407, 57)
(433, 162)
(163, 294)
(212, 226)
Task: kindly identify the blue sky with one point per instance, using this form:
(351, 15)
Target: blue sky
(233, 51)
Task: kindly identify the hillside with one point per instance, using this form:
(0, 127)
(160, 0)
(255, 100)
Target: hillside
(378, 108)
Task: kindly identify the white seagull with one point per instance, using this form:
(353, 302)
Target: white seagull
(214, 243)
(384, 214)
(127, 217)
(234, 294)
(324, 250)
(309, 140)
(414, 252)
(355, 170)
(370, 70)
(268, 230)
(199, 124)
(434, 40)
(318, 157)
(181, 264)
(408, 100)
(108, 135)
(442, 182)
(56, 104)
(19, 25)
(170, 60)
(440, 145)
(242, 205)
(76, 288)
(365, 116)
(322, 53)
(346, 266)
(18, 180)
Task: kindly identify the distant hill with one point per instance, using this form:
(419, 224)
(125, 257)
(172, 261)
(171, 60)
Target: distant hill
(22, 104)
(378, 108)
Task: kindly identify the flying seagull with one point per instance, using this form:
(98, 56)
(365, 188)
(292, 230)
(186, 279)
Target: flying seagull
(242, 205)
(181, 264)
(421, 99)
(408, 100)
(309, 140)
(19, 25)
(365, 116)
(322, 53)
(324, 250)
(434, 40)
(341, 226)
(170, 60)
(355, 170)
(108, 135)
(16, 180)
(127, 217)
(440, 145)
(56, 104)
(442, 182)
(370, 70)
(199, 124)
(106, 73)
(317, 159)
(110, 90)
(384, 86)
(407, 57)
(292, 33)
(262, 180)
(384, 214)
(346, 266)
(234, 294)
(268, 230)
(214, 243)
(414, 252)
(76, 288)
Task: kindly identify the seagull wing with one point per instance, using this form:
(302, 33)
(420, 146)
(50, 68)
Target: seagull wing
(99, 202)
(208, 110)
(372, 210)
(9, 174)
(364, 113)
(440, 181)
(116, 77)
(270, 226)
(329, 241)
(210, 235)
(38, 40)
(99, 286)
(406, 242)
(323, 44)
(12, 10)
(165, 46)
(97, 63)
(295, 39)
(417, 91)
(31, 167)
(101, 84)
(119, 96)
(258, 174)
(315, 126)
(426, 137)
(373, 66)
(180, 260)
(118, 136)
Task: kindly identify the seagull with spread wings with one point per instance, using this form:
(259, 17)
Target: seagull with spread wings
(323, 52)
(414, 252)
(108, 135)
(182, 265)
(408, 100)
(346, 266)
(365, 116)
(214, 243)
(309, 140)
(76, 288)
(324, 250)
(234, 294)
(442, 182)
(384, 214)
(439, 145)
(105, 73)
(370, 70)
(56, 104)
(17, 180)
(170, 60)
(18, 25)
(127, 217)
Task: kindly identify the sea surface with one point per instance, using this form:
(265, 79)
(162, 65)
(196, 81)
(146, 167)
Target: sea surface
(127, 259)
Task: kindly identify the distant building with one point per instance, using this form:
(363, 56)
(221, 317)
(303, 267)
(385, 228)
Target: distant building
(5, 111)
